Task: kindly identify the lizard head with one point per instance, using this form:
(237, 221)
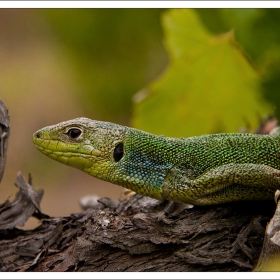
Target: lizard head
(92, 146)
(110, 152)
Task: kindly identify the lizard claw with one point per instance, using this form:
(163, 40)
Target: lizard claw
(127, 194)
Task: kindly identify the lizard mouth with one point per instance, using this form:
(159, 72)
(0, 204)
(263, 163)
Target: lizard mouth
(82, 161)
(42, 147)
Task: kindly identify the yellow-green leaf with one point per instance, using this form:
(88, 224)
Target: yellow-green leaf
(210, 86)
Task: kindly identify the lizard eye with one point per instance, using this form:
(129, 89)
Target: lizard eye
(118, 152)
(74, 133)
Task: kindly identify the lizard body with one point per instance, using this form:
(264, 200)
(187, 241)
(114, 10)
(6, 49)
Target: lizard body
(201, 170)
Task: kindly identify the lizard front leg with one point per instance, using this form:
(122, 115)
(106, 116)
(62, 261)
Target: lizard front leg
(247, 174)
(222, 184)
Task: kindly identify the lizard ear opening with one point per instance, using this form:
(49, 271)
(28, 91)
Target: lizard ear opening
(118, 152)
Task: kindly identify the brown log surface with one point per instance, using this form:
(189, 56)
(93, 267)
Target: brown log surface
(141, 234)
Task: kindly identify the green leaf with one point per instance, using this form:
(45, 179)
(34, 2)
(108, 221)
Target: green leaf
(210, 85)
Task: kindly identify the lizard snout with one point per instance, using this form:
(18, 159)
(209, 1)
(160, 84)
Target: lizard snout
(37, 134)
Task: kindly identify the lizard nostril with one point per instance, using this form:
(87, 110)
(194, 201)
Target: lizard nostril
(38, 135)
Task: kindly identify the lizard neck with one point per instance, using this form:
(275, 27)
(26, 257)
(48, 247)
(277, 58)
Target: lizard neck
(146, 161)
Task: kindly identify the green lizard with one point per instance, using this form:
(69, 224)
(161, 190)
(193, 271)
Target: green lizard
(202, 170)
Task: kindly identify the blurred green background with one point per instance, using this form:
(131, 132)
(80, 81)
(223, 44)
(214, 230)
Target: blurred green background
(174, 72)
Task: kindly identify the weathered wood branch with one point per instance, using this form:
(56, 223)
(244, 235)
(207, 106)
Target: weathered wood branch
(140, 234)
(269, 259)
(136, 234)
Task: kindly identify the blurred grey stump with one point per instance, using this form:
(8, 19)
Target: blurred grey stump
(4, 135)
